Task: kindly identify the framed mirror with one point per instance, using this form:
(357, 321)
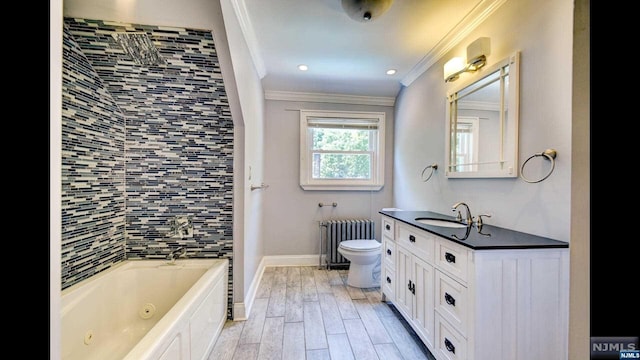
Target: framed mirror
(482, 123)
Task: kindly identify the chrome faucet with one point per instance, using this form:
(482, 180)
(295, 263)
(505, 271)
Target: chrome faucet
(181, 227)
(184, 227)
(173, 255)
(469, 219)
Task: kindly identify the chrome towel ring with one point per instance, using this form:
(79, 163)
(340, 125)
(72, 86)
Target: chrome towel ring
(433, 167)
(549, 154)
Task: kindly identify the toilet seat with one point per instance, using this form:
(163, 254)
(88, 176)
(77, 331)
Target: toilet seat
(360, 245)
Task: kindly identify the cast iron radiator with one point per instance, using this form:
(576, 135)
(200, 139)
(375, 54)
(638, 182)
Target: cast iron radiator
(338, 230)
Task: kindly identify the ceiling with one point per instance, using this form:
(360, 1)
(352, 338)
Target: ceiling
(346, 56)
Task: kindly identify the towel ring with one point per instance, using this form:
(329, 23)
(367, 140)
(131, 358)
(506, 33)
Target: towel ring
(549, 154)
(433, 167)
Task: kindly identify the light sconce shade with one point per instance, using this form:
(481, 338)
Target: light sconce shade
(477, 53)
(365, 10)
(453, 68)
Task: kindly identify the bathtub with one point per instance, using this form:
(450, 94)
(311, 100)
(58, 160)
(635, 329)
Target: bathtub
(146, 309)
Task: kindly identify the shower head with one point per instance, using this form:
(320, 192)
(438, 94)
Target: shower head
(139, 46)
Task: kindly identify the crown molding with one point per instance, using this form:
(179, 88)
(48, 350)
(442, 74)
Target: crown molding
(240, 9)
(474, 18)
(329, 98)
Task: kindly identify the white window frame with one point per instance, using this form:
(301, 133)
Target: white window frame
(307, 182)
(471, 125)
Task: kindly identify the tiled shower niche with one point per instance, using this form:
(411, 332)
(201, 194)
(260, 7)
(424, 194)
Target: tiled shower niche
(147, 136)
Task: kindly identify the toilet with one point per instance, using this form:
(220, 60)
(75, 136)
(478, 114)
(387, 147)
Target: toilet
(364, 255)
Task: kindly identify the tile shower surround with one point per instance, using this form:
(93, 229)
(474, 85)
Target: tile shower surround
(142, 144)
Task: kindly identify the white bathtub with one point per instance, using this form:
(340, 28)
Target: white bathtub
(146, 309)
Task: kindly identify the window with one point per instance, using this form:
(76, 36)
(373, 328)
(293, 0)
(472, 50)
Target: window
(341, 150)
(467, 129)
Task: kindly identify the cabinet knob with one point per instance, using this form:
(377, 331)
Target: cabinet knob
(389, 251)
(449, 345)
(412, 238)
(449, 299)
(388, 227)
(450, 257)
(389, 280)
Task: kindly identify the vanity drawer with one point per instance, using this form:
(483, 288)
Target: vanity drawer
(418, 242)
(388, 227)
(388, 283)
(449, 344)
(452, 301)
(452, 259)
(389, 251)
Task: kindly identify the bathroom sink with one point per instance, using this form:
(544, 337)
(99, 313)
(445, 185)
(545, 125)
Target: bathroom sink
(441, 222)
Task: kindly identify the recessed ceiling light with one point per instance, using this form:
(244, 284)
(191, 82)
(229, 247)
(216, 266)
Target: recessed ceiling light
(303, 67)
(391, 71)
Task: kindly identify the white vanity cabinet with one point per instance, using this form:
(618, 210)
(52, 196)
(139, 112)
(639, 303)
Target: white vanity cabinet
(465, 303)
(389, 257)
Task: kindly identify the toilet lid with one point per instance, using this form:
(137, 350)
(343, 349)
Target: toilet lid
(360, 244)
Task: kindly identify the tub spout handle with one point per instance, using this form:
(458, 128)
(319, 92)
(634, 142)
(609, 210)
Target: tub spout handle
(177, 253)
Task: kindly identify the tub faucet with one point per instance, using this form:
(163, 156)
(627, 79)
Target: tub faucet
(181, 227)
(469, 218)
(173, 255)
(184, 227)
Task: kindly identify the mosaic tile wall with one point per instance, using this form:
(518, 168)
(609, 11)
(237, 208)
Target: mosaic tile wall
(93, 201)
(178, 137)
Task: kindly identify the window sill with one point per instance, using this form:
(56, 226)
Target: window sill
(342, 187)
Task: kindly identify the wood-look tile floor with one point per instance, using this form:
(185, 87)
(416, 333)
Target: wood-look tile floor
(306, 313)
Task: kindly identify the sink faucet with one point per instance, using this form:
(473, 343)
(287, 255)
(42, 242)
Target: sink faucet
(173, 255)
(469, 218)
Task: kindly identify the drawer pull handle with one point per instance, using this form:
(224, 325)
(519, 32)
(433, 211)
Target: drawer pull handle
(449, 345)
(389, 280)
(388, 227)
(389, 251)
(450, 257)
(412, 238)
(412, 287)
(449, 299)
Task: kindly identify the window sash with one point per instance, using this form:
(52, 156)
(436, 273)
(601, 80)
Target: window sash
(356, 120)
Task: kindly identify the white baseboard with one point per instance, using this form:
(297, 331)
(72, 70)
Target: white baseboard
(292, 260)
(241, 310)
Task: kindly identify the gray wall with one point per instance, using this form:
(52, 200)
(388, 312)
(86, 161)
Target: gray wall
(292, 214)
(141, 145)
(250, 138)
(542, 31)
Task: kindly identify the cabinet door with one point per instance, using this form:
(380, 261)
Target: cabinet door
(424, 301)
(404, 283)
(388, 286)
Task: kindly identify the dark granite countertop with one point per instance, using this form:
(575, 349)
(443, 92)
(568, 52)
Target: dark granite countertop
(489, 238)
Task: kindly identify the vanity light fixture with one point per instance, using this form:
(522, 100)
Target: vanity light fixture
(477, 53)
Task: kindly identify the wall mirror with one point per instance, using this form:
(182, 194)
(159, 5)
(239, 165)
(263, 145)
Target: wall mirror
(482, 123)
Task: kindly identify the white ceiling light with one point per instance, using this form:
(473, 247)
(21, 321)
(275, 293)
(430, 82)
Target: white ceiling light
(303, 67)
(365, 10)
(391, 71)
